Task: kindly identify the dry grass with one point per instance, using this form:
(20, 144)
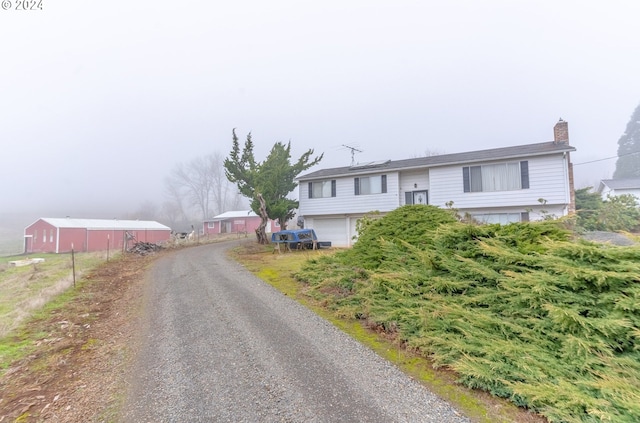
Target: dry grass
(24, 290)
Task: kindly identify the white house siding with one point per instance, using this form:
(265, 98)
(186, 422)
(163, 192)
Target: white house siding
(513, 214)
(607, 192)
(547, 178)
(346, 202)
(413, 181)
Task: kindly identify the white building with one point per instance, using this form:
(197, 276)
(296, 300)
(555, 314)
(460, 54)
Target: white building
(614, 187)
(519, 183)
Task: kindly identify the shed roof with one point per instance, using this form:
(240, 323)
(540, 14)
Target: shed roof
(626, 183)
(233, 214)
(518, 151)
(113, 224)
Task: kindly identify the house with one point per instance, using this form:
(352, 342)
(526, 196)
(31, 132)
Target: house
(61, 235)
(613, 187)
(509, 184)
(232, 222)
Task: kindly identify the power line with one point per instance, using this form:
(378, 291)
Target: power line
(607, 158)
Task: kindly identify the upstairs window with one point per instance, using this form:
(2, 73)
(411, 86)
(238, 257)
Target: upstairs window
(322, 189)
(497, 177)
(370, 185)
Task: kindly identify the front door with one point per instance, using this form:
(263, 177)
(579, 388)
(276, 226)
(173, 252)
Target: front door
(420, 197)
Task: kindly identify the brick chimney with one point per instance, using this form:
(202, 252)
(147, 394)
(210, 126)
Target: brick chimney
(561, 136)
(561, 132)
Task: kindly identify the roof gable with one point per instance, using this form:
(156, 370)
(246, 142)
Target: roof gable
(513, 152)
(233, 214)
(626, 183)
(114, 224)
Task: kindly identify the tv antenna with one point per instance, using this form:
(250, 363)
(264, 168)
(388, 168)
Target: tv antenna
(353, 152)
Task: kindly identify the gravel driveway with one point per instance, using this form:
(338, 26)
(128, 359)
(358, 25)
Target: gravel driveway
(220, 345)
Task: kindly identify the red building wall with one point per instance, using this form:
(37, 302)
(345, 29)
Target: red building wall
(235, 225)
(114, 239)
(72, 238)
(42, 237)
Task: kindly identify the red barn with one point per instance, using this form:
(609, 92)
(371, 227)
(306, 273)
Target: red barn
(60, 235)
(236, 222)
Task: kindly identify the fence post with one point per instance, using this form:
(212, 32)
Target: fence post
(73, 265)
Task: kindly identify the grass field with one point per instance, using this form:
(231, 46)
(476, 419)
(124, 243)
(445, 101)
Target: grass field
(10, 242)
(24, 290)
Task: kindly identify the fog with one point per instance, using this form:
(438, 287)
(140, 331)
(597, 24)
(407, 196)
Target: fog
(100, 100)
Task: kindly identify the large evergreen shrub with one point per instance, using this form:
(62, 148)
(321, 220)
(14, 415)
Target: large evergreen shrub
(521, 310)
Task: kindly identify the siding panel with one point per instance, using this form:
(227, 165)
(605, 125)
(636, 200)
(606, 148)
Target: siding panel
(547, 180)
(346, 202)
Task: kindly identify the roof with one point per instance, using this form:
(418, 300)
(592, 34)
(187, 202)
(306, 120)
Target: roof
(627, 183)
(232, 215)
(66, 222)
(518, 151)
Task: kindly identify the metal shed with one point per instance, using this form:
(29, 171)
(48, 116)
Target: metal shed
(61, 235)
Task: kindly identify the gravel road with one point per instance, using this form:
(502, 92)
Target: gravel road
(220, 345)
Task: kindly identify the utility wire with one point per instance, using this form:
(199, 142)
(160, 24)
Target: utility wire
(607, 158)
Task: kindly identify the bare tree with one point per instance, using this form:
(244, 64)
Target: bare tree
(146, 211)
(225, 194)
(429, 153)
(173, 214)
(174, 208)
(200, 188)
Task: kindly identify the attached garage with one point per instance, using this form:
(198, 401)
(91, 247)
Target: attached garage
(333, 230)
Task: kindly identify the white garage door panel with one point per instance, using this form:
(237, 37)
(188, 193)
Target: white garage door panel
(333, 230)
(352, 228)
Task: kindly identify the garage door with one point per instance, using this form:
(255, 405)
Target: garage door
(334, 230)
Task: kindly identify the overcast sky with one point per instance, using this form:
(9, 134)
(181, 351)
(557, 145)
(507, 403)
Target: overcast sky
(99, 100)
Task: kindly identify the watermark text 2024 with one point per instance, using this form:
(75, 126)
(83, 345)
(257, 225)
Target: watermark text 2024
(21, 4)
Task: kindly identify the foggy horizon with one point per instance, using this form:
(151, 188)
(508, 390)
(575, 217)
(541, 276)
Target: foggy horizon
(101, 100)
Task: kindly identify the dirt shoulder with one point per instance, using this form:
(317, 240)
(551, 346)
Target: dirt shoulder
(77, 369)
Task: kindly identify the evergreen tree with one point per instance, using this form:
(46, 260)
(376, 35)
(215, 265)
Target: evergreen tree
(628, 163)
(588, 206)
(267, 183)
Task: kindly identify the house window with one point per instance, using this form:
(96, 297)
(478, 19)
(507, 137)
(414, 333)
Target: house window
(35, 235)
(322, 189)
(50, 235)
(416, 197)
(44, 235)
(501, 218)
(498, 177)
(211, 225)
(370, 185)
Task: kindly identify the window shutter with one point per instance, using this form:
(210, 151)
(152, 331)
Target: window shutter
(524, 174)
(408, 197)
(384, 183)
(465, 179)
(310, 189)
(333, 188)
(356, 186)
